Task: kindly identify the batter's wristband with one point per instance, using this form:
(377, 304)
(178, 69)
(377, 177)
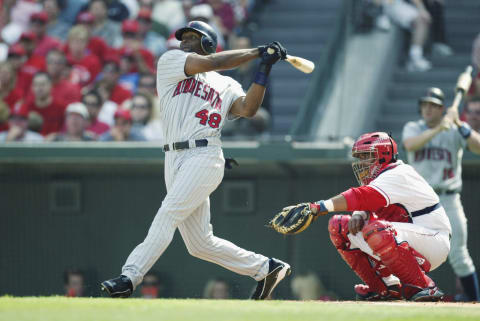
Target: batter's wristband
(465, 130)
(261, 77)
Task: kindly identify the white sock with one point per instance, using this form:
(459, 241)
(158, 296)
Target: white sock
(416, 51)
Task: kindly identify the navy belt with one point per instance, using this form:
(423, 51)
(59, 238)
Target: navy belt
(185, 145)
(426, 210)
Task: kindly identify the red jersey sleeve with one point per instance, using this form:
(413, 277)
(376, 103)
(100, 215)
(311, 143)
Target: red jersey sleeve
(364, 198)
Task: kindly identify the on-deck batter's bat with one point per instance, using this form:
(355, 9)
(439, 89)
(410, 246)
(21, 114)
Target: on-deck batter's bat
(301, 64)
(463, 85)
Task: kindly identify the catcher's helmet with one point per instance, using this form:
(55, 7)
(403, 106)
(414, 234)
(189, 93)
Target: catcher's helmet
(209, 36)
(374, 152)
(434, 95)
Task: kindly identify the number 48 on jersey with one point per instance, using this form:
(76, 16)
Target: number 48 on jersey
(213, 119)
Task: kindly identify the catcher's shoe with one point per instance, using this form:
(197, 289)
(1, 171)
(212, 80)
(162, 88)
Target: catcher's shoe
(277, 270)
(363, 293)
(430, 294)
(120, 287)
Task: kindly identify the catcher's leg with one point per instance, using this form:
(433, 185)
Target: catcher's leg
(360, 263)
(401, 260)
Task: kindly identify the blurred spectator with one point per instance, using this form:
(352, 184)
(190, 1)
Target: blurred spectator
(244, 75)
(43, 42)
(61, 86)
(414, 17)
(142, 59)
(472, 112)
(122, 129)
(217, 288)
(95, 45)
(56, 27)
(152, 40)
(45, 104)
(204, 12)
(107, 83)
(4, 113)
(168, 16)
(85, 66)
(225, 16)
(93, 102)
(71, 10)
(146, 84)
(143, 120)
(20, 15)
(74, 283)
(310, 287)
(76, 121)
(9, 92)
(436, 8)
(152, 286)
(102, 26)
(475, 87)
(18, 128)
(33, 64)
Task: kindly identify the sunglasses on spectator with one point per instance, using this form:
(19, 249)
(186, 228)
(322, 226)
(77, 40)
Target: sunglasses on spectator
(129, 35)
(38, 21)
(91, 103)
(143, 106)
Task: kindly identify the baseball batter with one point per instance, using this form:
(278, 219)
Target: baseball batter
(435, 147)
(195, 102)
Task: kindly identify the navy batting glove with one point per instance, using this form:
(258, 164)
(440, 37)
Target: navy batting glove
(282, 50)
(465, 130)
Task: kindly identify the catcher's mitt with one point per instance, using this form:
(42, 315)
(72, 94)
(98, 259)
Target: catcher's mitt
(293, 219)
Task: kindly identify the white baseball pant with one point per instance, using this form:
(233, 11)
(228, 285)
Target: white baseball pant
(191, 175)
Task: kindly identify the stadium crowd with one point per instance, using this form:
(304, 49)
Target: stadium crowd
(79, 70)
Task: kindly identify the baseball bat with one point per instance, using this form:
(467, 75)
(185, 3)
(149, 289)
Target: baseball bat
(463, 85)
(301, 64)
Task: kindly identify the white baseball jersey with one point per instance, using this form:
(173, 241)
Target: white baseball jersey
(402, 185)
(192, 107)
(440, 160)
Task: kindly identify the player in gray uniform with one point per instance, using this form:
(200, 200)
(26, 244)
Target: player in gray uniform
(435, 147)
(195, 102)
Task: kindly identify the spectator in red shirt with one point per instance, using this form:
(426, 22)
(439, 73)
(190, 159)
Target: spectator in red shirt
(96, 45)
(18, 129)
(9, 93)
(108, 86)
(33, 64)
(85, 66)
(45, 104)
(61, 86)
(93, 101)
(133, 46)
(472, 112)
(43, 42)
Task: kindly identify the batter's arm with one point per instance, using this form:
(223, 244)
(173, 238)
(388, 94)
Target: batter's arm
(473, 142)
(224, 60)
(247, 106)
(415, 143)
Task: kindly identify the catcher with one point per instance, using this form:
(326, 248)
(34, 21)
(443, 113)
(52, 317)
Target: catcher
(398, 231)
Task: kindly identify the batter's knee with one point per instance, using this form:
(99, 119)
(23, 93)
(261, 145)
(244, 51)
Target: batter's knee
(338, 230)
(200, 248)
(379, 235)
(461, 262)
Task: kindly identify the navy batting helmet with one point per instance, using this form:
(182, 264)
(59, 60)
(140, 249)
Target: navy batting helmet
(434, 95)
(209, 36)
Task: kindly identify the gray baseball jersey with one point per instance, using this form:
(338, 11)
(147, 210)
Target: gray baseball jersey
(440, 160)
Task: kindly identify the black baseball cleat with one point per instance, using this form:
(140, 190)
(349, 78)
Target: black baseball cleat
(120, 287)
(277, 270)
(431, 294)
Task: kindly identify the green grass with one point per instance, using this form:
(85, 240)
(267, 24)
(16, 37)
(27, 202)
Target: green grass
(102, 309)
